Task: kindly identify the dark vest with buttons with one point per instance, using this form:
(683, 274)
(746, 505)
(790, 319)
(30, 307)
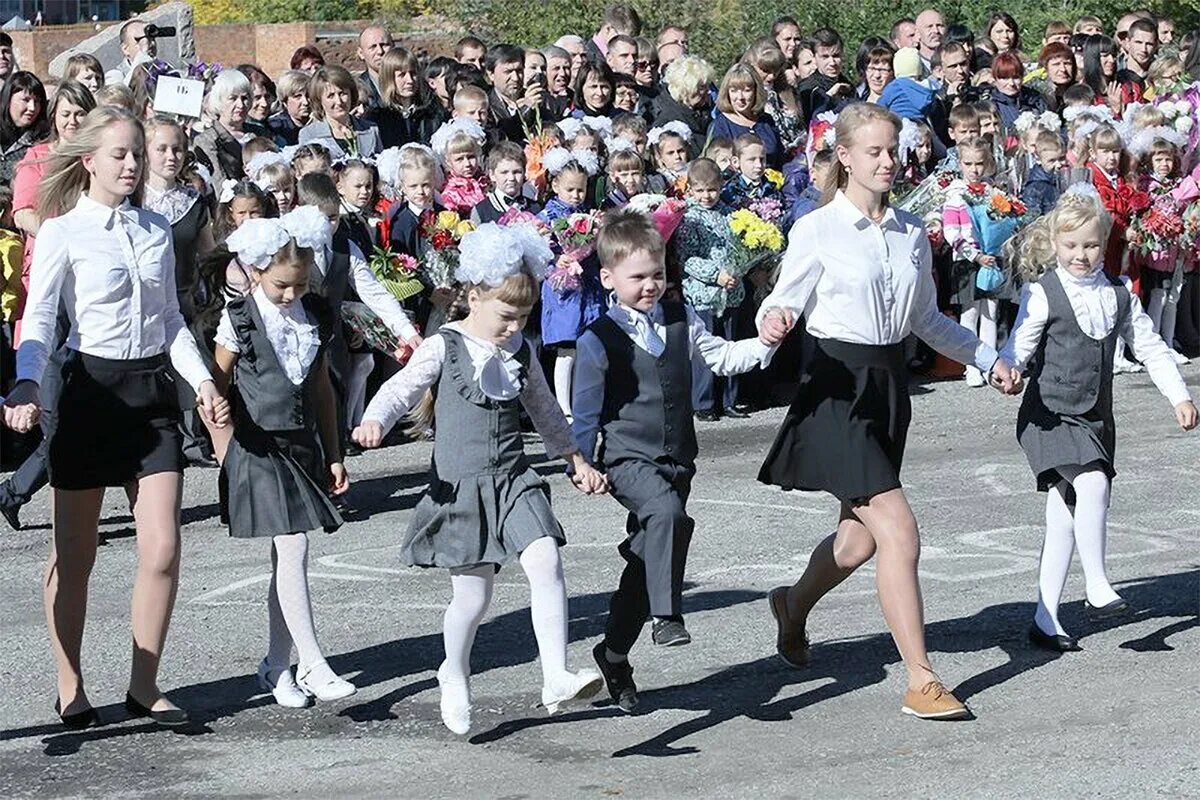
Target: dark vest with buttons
(264, 399)
(1073, 372)
(334, 288)
(647, 413)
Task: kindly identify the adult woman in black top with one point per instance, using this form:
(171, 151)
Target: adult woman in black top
(22, 120)
(406, 111)
(594, 87)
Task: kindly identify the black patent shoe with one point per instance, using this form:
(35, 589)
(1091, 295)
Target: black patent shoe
(11, 513)
(79, 720)
(1114, 609)
(1053, 642)
(169, 716)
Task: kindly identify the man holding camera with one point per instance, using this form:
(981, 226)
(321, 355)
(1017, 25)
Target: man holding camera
(138, 43)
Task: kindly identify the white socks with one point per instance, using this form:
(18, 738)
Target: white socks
(1086, 528)
(564, 368)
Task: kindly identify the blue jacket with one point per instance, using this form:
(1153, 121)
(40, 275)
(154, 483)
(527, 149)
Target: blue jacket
(907, 98)
(1040, 193)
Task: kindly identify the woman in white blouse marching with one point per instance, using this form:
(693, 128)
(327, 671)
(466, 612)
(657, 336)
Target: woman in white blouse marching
(860, 272)
(111, 265)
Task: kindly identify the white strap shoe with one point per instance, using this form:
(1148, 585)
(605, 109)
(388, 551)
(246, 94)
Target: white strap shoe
(455, 702)
(283, 688)
(326, 686)
(570, 689)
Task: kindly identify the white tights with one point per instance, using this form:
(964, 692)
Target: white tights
(1161, 309)
(1087, 528)
(289, 609)
(980, 319)
(564, 369)
(547, 605)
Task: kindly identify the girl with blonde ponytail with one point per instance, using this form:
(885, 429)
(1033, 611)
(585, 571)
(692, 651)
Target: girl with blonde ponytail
(861, 274)
(1069, 327)
(112, 266)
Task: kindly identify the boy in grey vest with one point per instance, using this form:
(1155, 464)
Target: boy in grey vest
(633, 383)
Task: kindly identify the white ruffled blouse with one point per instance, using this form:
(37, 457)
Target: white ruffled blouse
(292, 332)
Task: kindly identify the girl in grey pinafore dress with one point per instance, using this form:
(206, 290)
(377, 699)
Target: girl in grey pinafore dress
(486, 505)
(1068, 331)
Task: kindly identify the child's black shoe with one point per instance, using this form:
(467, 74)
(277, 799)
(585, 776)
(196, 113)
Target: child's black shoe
(618, 678)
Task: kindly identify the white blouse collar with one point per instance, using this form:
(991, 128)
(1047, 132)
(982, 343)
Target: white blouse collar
(86, 205)
(1093, 278)
(495, 368)
(852, 214)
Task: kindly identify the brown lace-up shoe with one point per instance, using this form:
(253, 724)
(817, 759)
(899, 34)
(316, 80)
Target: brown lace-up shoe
(934, 701)
(790, 642)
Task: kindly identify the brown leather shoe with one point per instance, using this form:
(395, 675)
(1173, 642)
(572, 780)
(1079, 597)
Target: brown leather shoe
(934, 701)
(790, 642)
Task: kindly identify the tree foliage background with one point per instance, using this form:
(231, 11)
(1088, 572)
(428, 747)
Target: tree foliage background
(720, 30)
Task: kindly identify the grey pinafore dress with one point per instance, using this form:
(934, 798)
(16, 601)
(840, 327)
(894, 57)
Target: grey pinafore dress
(485, 503)
(273, 478)
(1066, 416)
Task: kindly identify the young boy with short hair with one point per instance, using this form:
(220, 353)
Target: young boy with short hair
(633, 380)
(506, 171)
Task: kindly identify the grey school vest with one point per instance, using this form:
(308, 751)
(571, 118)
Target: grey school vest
(263, 395)
(647, 413)
(1074, 371)
(475, 434)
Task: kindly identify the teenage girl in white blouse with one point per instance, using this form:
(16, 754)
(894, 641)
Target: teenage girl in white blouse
(860, 273)
(112, 266)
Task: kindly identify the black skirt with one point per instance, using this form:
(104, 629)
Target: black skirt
(846, 430)
(116, 421)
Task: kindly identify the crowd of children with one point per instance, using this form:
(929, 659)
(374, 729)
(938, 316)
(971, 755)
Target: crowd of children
(609, 274)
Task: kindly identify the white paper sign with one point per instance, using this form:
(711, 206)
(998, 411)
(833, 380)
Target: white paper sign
(182, 96)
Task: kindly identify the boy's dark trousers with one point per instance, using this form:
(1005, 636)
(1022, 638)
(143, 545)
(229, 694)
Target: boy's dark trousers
(655, 551)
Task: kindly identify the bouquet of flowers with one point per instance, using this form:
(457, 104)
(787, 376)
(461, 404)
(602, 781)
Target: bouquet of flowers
(768, 209)
(1157, 234)
(774, 177)
(443, 231)
(536, 148)
(666, 212)
(518, 216)
(995, 216)
(397, 272)
(763, 240)
(928, 197)
(576, 233)
(363, 322)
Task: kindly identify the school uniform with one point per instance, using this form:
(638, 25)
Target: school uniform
(274, 476)
(633, 383)
(1067, 331)
(486, 503)
(117, 418)
(862, 288)
(495, 205)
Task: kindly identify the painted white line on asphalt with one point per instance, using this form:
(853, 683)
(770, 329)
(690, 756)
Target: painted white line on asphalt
(747, 504)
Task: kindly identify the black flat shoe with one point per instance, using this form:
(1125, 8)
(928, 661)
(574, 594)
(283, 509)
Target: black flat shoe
(79, 720)
(1114, 609)
(12, 515)
(618, 679)
(735, 413)
(1053, 642)
(170, 716)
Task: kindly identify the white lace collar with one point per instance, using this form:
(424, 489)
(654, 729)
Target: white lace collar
(173, 203)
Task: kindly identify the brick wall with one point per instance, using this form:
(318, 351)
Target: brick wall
(269, 46)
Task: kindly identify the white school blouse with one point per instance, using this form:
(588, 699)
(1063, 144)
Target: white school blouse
(1094, 301)
(866, 283)
(497, 373)
(114, 271)
(373, 293)
(291, 331)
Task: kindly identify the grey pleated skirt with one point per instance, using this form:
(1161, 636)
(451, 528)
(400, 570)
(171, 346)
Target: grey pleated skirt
(274, 484)
(1053, 440)
(486, 518)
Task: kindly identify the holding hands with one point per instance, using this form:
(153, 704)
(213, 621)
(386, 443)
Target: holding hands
(775, 326)
(1006, 379)
(22, 408)
(587, 478)
(214, 408)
